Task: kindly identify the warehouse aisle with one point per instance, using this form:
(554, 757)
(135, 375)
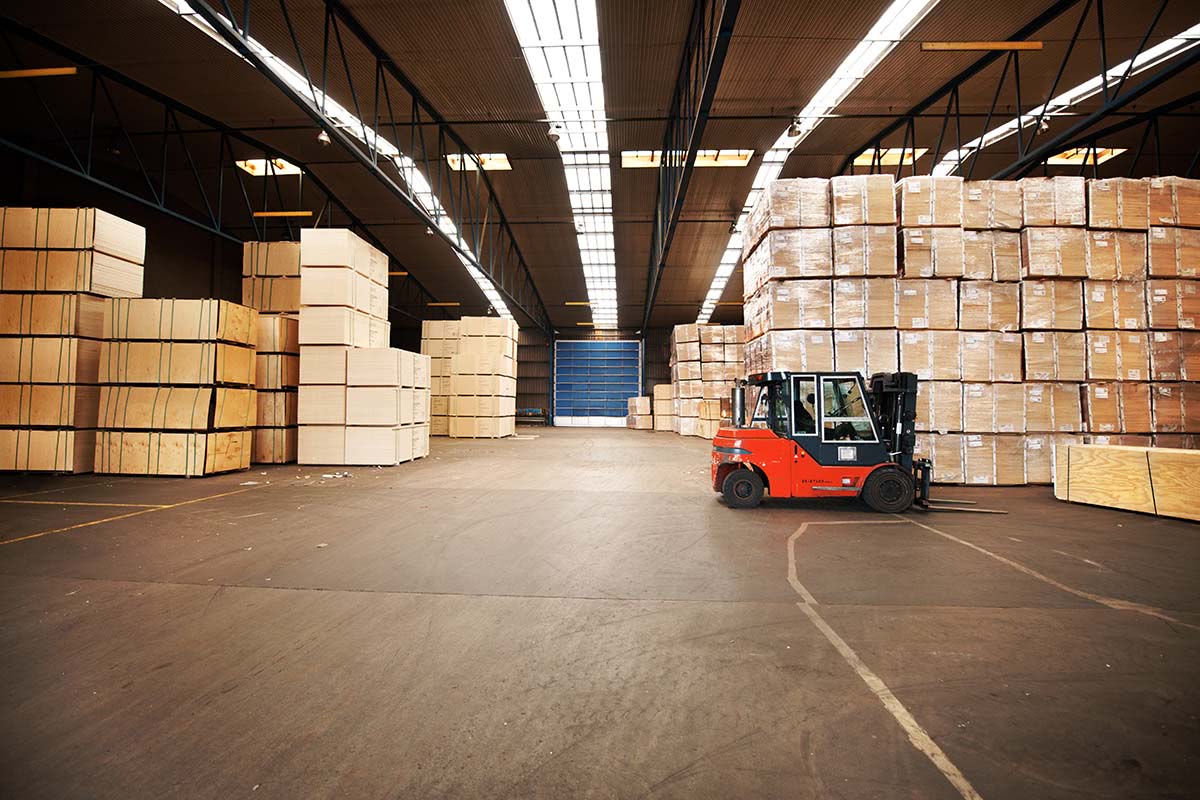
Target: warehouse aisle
(577, 614)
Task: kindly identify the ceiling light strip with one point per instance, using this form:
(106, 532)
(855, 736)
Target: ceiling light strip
(896, 23)
(417, 182)
(1061, 105)
(560, 40)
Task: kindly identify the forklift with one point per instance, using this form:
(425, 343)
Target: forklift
(814, 434)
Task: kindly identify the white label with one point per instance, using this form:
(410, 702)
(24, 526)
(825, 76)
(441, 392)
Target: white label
(1039, 290)
(913, 186)
(1135, 374)
(1158, 233)
(908, 292)
(1131, 322)
(1033, 444)
(847, 454)
(1101, 243)
(1101, 392)
(817, 339)
(1039, 337)
(924, 219)
(1161, 337)
(918, 322)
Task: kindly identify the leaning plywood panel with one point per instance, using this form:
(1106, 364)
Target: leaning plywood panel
(176, 408)
(1173, 478)
(1113, 476)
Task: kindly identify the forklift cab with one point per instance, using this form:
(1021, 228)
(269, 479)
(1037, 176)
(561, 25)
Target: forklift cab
(811, 434)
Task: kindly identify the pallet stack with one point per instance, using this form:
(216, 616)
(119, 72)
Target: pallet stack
(176, 387)
(483, 379)
(271, 285)
(664, 408)
(641, 414)
(360, 402)
(706, 360)
(57, 266)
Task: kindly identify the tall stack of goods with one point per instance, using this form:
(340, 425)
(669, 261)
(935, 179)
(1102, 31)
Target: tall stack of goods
(664, 408)
(483, 379)
(706, 360)
(56, 267)
(360, 402)
(176, 387)
(439, 341)
(271, 284)
(641, 414)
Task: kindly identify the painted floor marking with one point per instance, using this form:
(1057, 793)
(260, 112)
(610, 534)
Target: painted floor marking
(917, 735)
(79, 503)
(139, 512)
(1110, 602)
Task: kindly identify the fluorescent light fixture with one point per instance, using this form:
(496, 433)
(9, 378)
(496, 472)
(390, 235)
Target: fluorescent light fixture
(890, 157)
(560, 40)
(260, 167)
(346, 121)
(1085, 156)
(491, 162)
(975, 46)
(642, 159)
(38, 72)
(1061, 105)
(890, 29)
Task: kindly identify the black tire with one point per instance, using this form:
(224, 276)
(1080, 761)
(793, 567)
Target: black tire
(889, 490)
(743, 488)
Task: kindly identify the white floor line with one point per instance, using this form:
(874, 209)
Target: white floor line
(1110, 602)
(917, 735)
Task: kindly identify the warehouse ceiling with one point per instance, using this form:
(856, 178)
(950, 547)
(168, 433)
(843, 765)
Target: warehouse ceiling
(464, 57)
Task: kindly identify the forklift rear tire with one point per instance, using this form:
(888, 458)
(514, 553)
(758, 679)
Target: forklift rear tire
(743, 488)
(890, 490)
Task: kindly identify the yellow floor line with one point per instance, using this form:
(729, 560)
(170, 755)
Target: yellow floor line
(127, 516)
(67, 488)
(81, 503)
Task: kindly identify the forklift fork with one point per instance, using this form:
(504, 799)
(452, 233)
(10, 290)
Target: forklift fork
(923, 478)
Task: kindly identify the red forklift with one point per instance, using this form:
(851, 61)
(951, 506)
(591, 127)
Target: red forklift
(813, 434)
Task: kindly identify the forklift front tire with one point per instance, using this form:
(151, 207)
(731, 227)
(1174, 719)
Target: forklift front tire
(890, 490)
(743, 488)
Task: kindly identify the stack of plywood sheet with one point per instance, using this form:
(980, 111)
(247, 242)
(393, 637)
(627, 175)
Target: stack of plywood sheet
(706, 361)
(439, 341)
(56, 266)
(176, 387)
(1152, 480)
(483, 379)
(271, 285)
(664, 408)
(641, 414)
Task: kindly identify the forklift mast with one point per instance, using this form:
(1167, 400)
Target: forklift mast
(893, 399)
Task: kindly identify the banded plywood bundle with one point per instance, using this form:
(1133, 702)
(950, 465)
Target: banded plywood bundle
(993, 407)
(796, 253)
(790, 305)
(1174, 253)
(1052, 305)
(57, 267)
(866, 351)
(177, 387)
(864, 251)
(991, 356)
(939, 406)
(991, 255)
(664, 409)
(994, 460)
(1175, 202)
(932, 252)
(790, 350)
(1053, 408)
(1150, 480)
(439, 341)
(1118, 356)
(641, 414)
(989, 306)
(931, 355)
(483, 379)
(992, 205)
(927, 303)
(1118, 204)
(863, 199)
(1175, 407)
(706, 361)
(864, 303)
(787, 204)
(1055, 355)
(1117, 408)
(1175, 355)
(1111, 305)
(929, 201)
(1116, 255)
(1054, 252)
(945, 450)
(343, 290)
(1053, 202)
(277, 381)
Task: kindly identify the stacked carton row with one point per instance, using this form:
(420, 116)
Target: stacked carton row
(176, 387)
(56, 267)
(706, 362)
(641, 413)
(360, 402)
(1002, 296)
(474, 365)
(271, 284)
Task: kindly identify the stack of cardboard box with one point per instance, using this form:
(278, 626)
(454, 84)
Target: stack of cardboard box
(641, 414)
(706, 360)
(176, 387)
(271, 284)
(56, 267)
(483, 379)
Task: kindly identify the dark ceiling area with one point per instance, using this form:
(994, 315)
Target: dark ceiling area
(464, 58)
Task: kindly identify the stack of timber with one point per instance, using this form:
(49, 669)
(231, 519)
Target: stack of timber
(664, 408)
(483, 379)
(57, 266)
(439, 341)
(176, 387)
(706, 361)
(271, 285)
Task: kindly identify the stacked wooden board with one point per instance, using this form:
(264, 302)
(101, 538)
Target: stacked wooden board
(1153, 480)
(271, 284)
(474, 368)
(706, 361)
(641, 413)
(56, 267)
(1036, 312)
(176, 387)
(664, 408)
(360, 402)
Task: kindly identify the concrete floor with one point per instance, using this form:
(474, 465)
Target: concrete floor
(578, 615)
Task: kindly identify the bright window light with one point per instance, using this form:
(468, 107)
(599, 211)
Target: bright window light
(258, 167)
(890, 157)
(890, 29)
(642, 159)
(1060, 105)
(491, 162)
(1085, 156)
(561, 44)
(344, 120)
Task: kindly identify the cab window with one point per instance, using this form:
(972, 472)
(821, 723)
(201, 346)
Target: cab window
(846, 417)
(779, 408)
(804, 408)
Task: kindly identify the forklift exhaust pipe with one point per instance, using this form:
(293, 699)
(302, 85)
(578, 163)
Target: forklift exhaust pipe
(738, 406)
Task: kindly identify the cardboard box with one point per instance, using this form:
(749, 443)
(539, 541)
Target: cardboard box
(1052, 305)
(866, 250)
(864, 303)
(788, 305)
(993, 407)
(798, 253)
(790, 350)
(69, 271)
(176, 363)
(946, 453)
(179, 320)
(927, 304)
(278, 334)
(271, 260)
(932, 355)
(274, 295)
(939, 406)
(1175, 355)
(48, 359)
(1173, 252)
(1173, 304)
(321, 405)
(926, 201)
(274, 445)
(1054, 252)
(1174, 201)
(1052, 407)
(788, 203)
(929, 252)
(1109, 305)
(863, 199)
(1055, 356)
(994, 460)
(866, 351)
(988, 306)
(72, 229)
(1055, 201)
(991, 356)
(992, 205)
(992, 255)
(1118, 203)
(276, 371)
